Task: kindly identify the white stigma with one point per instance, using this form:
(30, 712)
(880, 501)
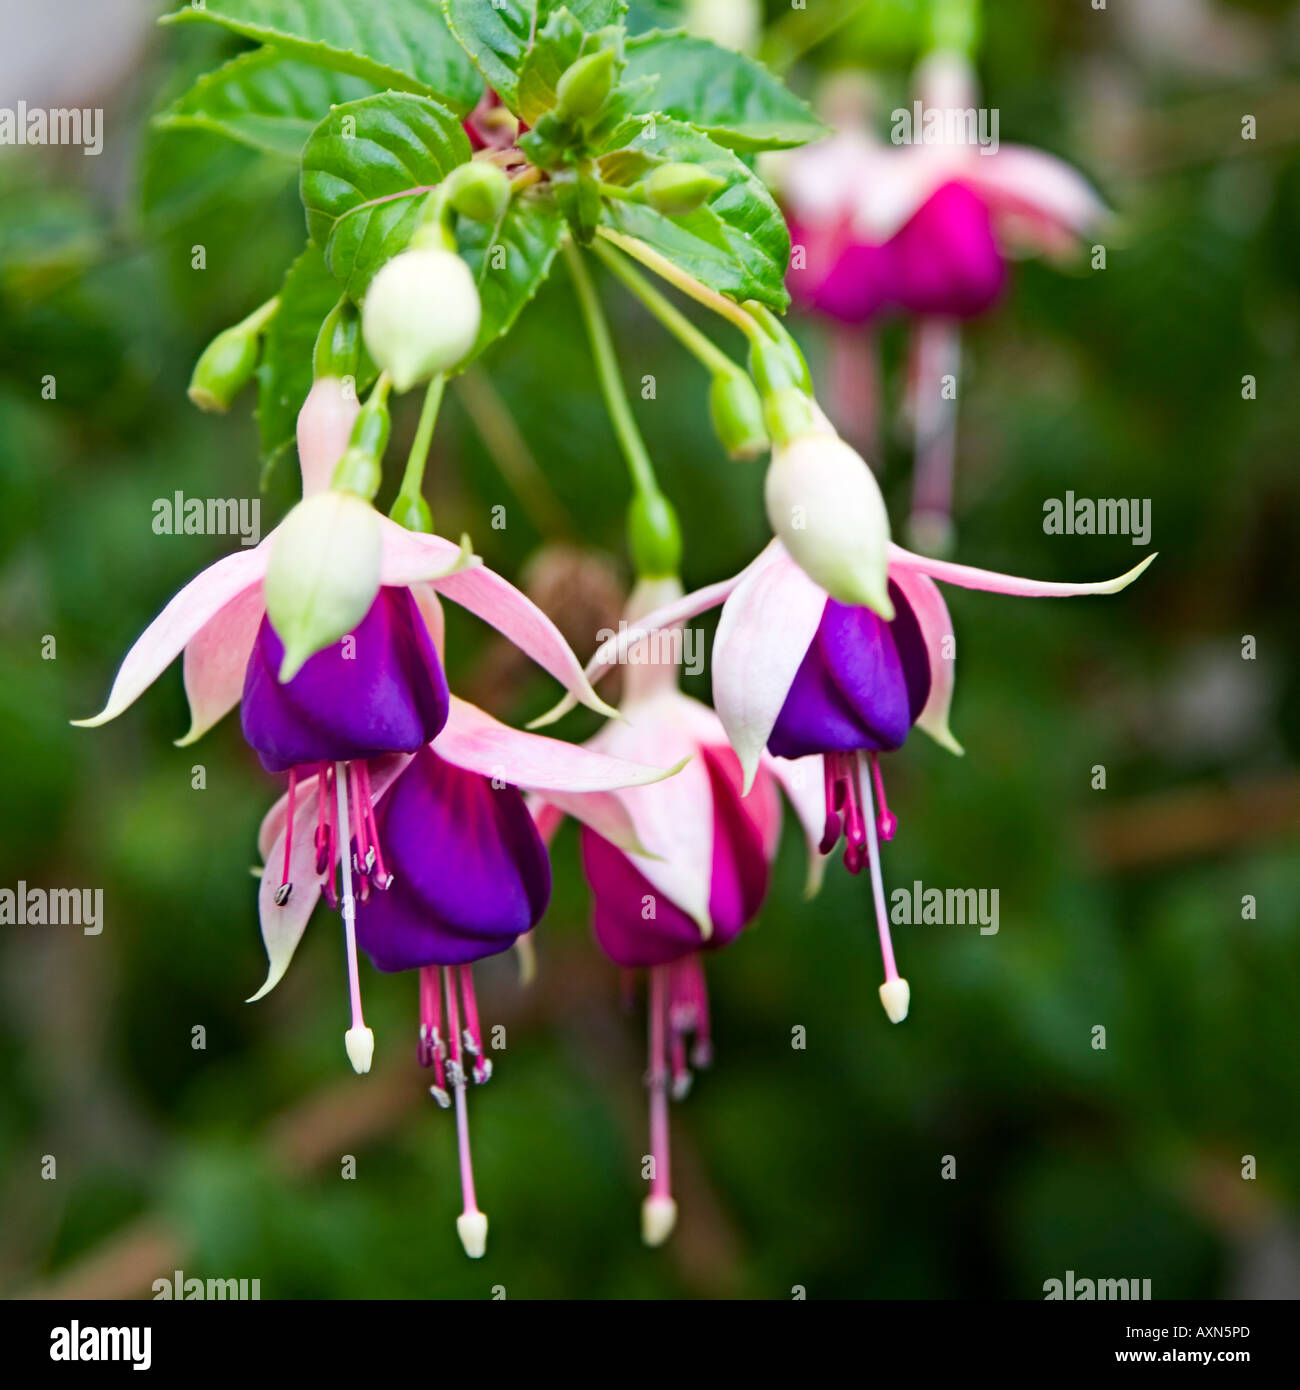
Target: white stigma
(658, 1217)
(896, 996)
(471, 1227)
(360, 1043)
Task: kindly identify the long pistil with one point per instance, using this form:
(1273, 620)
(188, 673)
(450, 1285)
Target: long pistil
(658, 1211)
(471, 1224)
(895, 994)
(359, 1040)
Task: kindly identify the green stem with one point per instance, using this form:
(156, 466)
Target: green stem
(258, 320)
(672, 318)
(687, 283)
(611, 383)
(413, 476)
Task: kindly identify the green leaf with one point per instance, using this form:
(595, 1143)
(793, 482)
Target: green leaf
(737, 243)
(284, 375)
(365, 171)
(498, 34)
(510, 260)
(265, 100)
(401, 44)
(732, 98)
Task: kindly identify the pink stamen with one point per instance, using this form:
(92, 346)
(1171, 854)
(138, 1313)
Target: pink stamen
(657, 1081)
(886, 821)
(282, 895)
(432, 1050)
(878, 894)
(383, 879)
(456, 1074)
(473, 1034)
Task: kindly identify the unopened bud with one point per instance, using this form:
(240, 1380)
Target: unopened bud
(825, 505)
(676, 189)
(421, 314)
(360, 470)
(338, 342)
(585, 85)
(223, 370)
(737, 414)
(654, 536)
(324, 427)
(478, 190)
(323, 574)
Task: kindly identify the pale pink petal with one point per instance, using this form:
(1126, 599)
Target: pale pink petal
(803, 781)
(969, 578)
(1035, 185)
(215, 660)
(410, 557)
(613, 651)
(673, 819)
(188, 612)
(926, 602)
(324, 427)
(763, 636)
(485, 594)
(472, 739)
(605, 812)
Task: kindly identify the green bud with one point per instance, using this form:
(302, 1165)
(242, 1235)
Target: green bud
(654, 537)
(478, 190)
(322, 575)
(585, 85)
(788, 414)
(360, 470)
(776, 360)
(737, 414)
(413, 513)
(676, 189)
(223, 370)
(338, 344)
(227, 364)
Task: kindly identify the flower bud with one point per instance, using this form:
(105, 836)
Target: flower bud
(360, 470)
(223, 370)
(478, 190)
(654, 537)
(676, 189)
(338, 342)
(421, 315)
(584, 87)
(737, 414)
(323, 574)
(324, 427)
(825, 505)
(412, 513)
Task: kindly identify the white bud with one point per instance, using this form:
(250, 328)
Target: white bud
(825, 504)
(896, 996)
(471, 1226)
(323, 574)
(658, 1217)
(421, 314)
(324, 428)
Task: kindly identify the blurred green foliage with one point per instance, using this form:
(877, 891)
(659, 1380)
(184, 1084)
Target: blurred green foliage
(824, 1164)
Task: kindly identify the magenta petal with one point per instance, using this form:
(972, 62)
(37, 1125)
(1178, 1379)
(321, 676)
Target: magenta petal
(945, 258)
(380, 690)
(842, 276)
(470, 870)
(623, 895)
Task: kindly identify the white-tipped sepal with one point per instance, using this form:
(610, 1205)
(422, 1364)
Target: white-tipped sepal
(360, 1043)
(323, 574)
(896, 996)
(471, 1227)
(421, 314)
(658, 1217)
(825, 504)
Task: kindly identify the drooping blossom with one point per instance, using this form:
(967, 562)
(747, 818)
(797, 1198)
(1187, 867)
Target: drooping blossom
(798, 675)
(380, 690)
(445, 833)
(700, 872)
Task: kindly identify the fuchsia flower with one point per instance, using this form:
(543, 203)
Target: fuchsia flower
(698, 877)
(798, 675)
(923, 228)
